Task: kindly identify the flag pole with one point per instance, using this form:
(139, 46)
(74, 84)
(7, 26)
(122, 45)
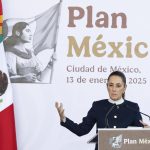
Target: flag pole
(53, 56)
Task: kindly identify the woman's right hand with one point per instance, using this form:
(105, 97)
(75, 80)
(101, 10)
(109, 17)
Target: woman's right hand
(145, 125)
(60, 110)
(31, 77)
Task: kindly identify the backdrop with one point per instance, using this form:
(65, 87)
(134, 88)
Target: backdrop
(94, 38)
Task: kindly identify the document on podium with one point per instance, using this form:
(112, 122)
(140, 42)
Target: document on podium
(94, 139)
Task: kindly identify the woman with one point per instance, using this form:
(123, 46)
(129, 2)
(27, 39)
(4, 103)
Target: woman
(23, 66)
(115, 112)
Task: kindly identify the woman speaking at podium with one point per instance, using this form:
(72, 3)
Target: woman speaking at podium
(115, 112)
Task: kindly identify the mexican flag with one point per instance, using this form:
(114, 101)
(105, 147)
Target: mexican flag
(7, 122)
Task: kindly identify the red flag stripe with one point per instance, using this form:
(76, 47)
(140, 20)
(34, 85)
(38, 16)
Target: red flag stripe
(7, 129)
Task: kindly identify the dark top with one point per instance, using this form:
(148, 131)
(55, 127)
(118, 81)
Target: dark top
(106, 115)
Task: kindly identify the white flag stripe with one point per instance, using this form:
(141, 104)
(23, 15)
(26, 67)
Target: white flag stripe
(6, 98)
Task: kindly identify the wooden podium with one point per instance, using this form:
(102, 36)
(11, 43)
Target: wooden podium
(122, 139)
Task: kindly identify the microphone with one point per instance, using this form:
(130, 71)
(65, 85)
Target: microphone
(106, 116)
(137, 111)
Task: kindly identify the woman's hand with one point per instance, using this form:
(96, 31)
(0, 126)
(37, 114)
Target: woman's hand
(60, 110)
(37, 69)
(145, 124)
(31, 77)
(52, 60)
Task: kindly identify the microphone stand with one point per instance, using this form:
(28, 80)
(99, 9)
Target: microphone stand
(106, 117)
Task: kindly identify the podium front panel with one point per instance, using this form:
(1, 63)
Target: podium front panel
(124, 139)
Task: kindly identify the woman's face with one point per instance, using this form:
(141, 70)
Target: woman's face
(26, 35)
(115, 87)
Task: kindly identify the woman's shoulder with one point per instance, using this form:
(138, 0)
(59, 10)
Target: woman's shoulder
(101, 102)
(10, 54)
(9, 51)
(14, 51)
(131, 103)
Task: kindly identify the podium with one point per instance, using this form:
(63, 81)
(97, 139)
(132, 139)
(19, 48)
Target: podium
(122, 139)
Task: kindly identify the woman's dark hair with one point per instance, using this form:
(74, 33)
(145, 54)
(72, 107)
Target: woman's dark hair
(19, 26)
(122, 76)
